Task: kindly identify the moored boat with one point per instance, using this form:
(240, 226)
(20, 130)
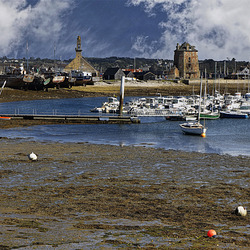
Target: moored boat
(233, 114)
(193, 128)
(210, 115)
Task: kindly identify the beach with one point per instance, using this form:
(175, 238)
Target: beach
(87, 196)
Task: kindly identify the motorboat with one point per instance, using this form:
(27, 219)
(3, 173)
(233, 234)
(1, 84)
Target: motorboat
(111, 106)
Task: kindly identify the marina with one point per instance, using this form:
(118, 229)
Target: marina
(181, 107)
(224, 136)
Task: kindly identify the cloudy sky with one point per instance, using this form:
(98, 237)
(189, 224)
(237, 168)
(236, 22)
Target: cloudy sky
(219, 29)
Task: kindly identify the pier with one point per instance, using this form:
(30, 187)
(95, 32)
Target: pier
(70, 119)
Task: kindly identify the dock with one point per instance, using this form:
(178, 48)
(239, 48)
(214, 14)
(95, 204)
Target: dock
(74, 119)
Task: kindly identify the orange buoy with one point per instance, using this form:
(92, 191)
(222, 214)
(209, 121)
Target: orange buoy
(211, 233)
(203, 135)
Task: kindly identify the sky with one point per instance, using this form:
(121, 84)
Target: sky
(219, 29)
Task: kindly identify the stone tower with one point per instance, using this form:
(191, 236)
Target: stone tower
(79, 45)
(80, 63)
(186, 60)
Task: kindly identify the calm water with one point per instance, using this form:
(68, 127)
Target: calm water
(224, 136)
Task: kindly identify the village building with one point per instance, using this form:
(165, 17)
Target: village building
(79, 63)
(145, 76)
(186, 61)
(113, 74)
(128, 74)
(173, 73)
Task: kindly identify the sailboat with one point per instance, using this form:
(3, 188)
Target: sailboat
(195, 128)
(206, 114)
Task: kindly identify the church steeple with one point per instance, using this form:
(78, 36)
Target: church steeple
(78, 45)
(79, 63)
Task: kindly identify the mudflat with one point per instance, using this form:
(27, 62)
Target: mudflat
(84, 196)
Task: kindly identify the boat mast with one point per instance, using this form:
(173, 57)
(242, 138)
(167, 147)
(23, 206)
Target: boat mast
(248, 73)
(199, 110)
(27, 60)
(215, 72)
(205, 92)
(55, 56)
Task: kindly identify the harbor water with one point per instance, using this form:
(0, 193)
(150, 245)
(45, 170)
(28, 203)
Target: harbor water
(224, 136)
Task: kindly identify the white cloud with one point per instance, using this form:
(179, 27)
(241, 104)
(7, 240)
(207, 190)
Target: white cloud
(218, 28)
(40, 22)
(144, 47)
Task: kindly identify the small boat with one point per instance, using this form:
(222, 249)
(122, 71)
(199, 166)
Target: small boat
(58, 79)
(193, 128)
(28, 78)
(190, 117)
(111, 106)
(210, 115)
(5, 118)
(46, 81)
(175, 117)
(33, 82)
(245, 107)
(97, 110)
(233, 114)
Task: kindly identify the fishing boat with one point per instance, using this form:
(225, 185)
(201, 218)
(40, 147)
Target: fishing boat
(195, 127)
(58, 79)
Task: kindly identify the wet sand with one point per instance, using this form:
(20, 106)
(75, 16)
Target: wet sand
(84, 196)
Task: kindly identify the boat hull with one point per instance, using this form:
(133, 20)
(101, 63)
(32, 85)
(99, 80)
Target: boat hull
(193, 129)
(209, 116)
(233, 115)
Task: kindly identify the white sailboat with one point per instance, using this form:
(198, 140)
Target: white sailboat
(195, 128)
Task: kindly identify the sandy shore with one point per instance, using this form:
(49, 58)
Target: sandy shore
(83, 196)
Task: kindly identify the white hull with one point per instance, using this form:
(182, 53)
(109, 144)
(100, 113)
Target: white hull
(193, 128)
